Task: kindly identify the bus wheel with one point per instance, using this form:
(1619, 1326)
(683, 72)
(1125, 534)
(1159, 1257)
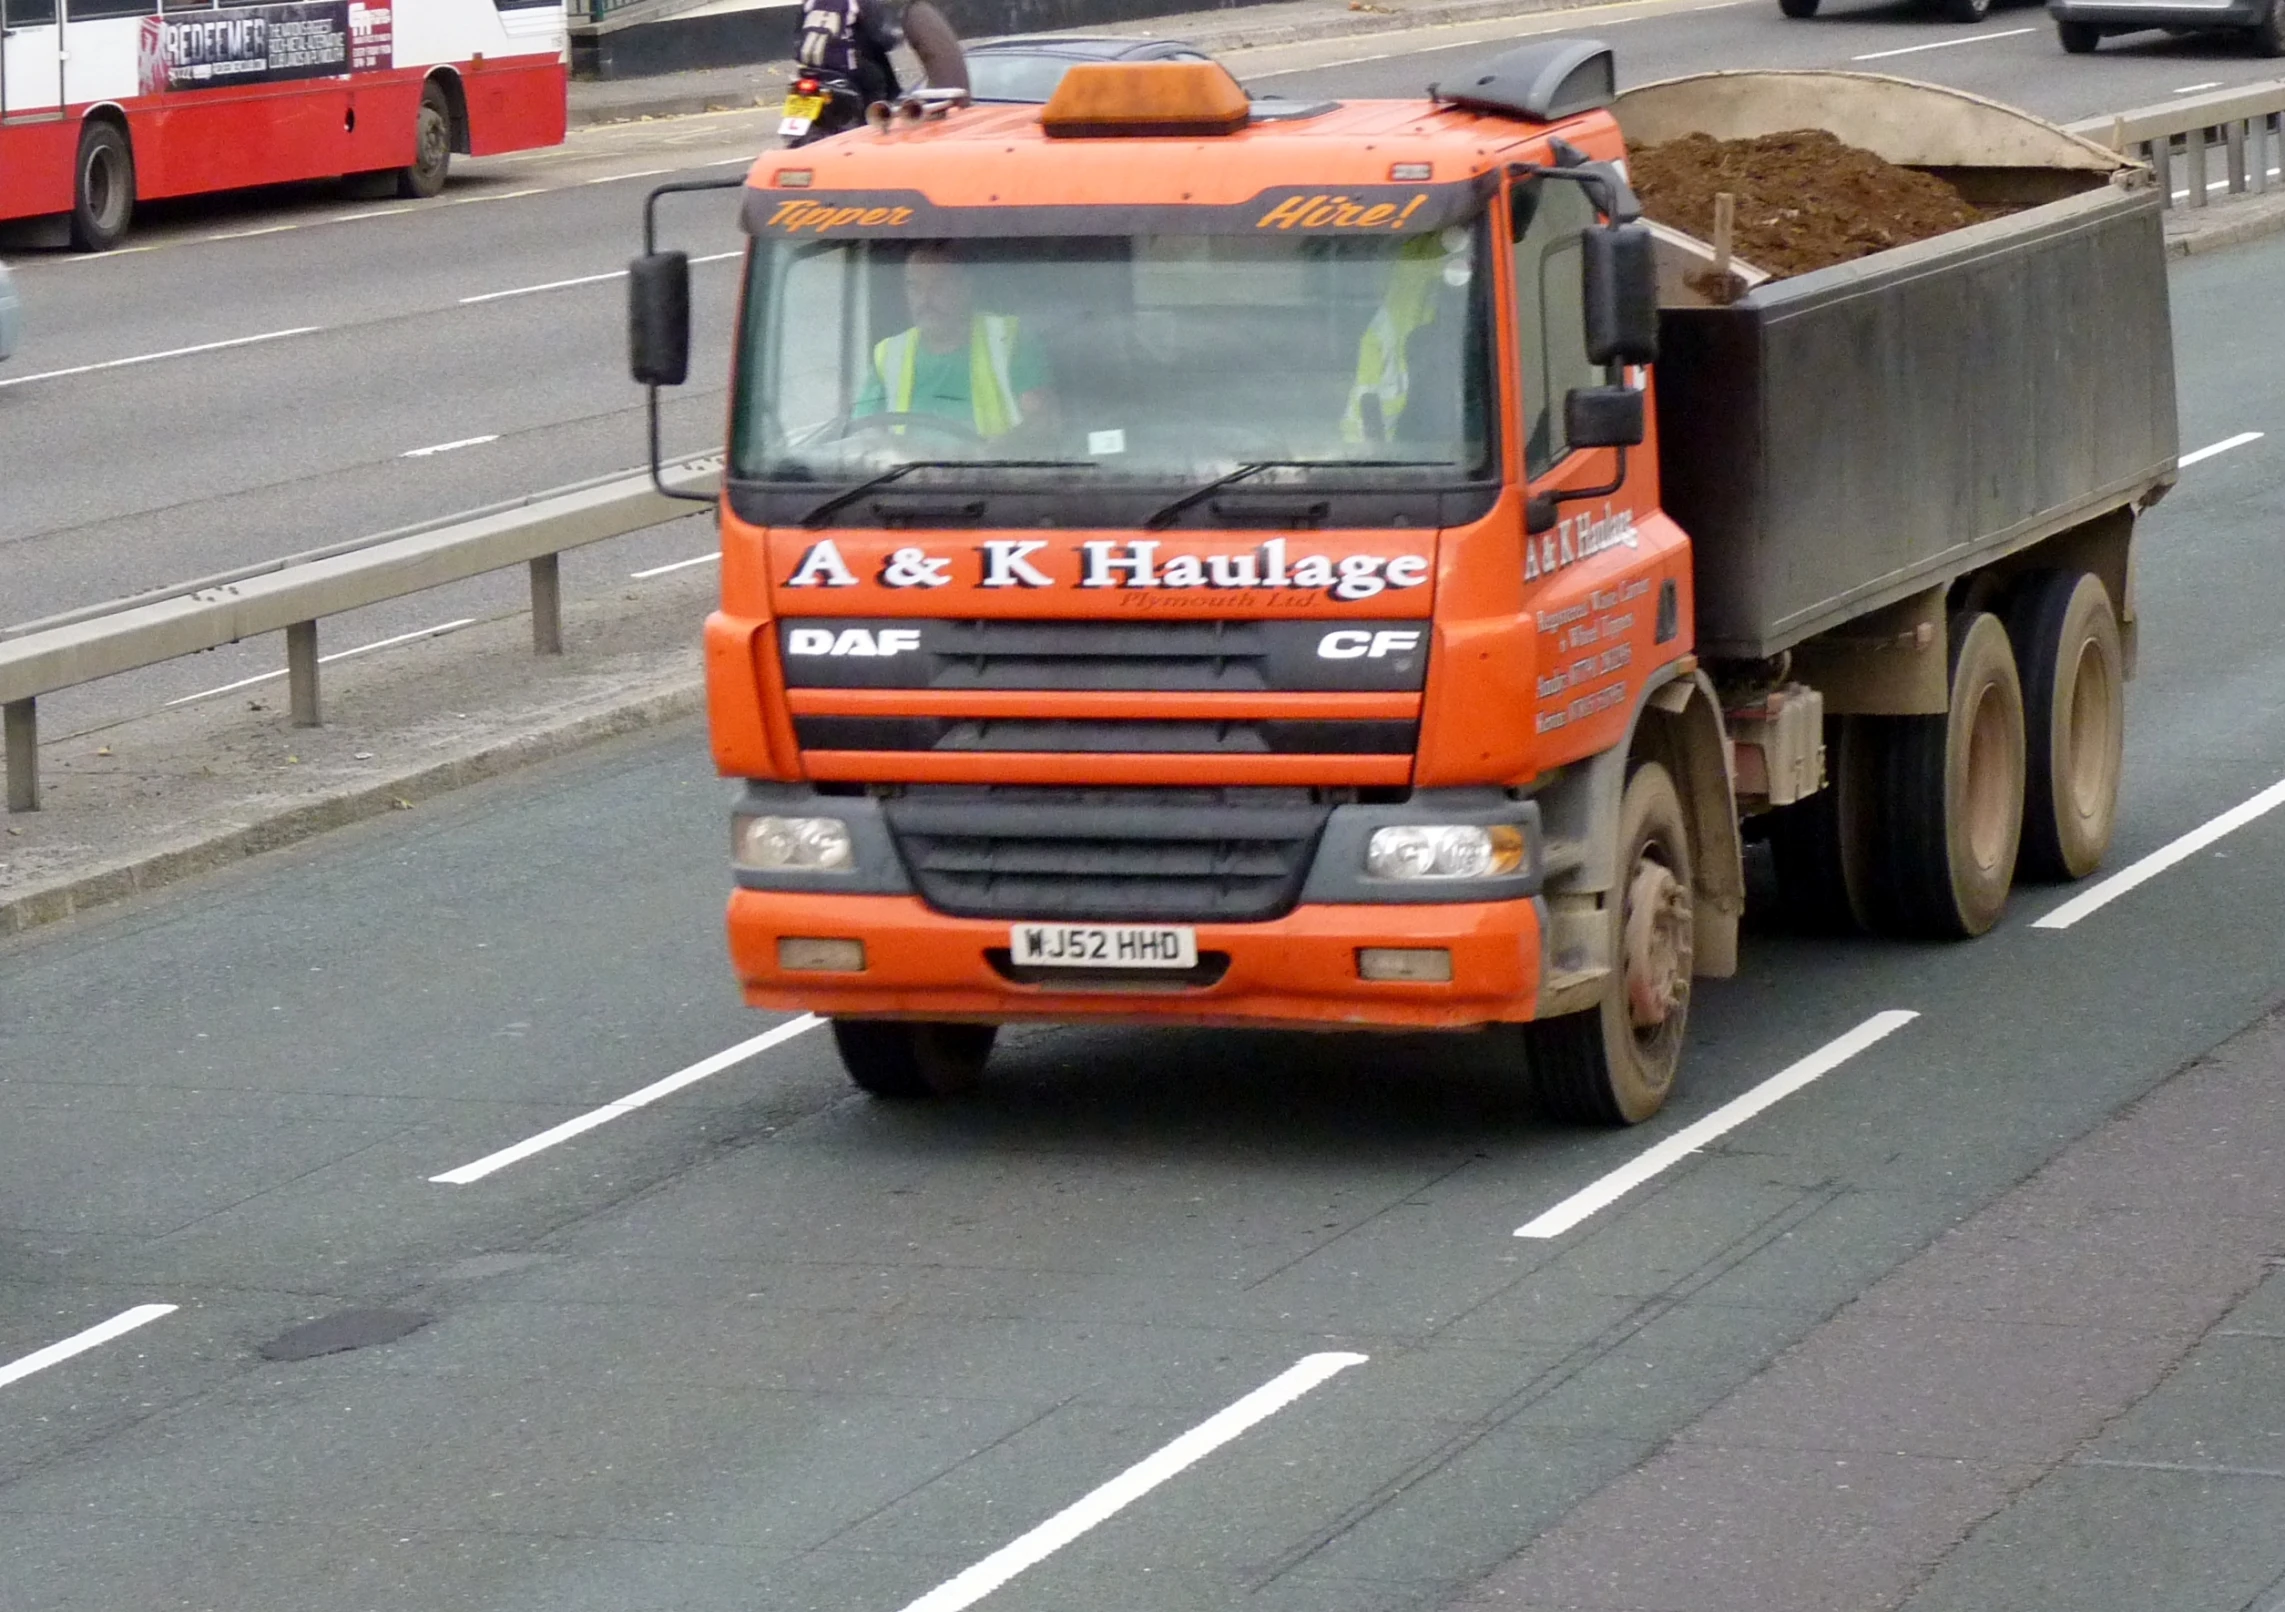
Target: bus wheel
(901, 1061)
(2074, 719)
(1615, 1063)
(432, 146)
(103, 195)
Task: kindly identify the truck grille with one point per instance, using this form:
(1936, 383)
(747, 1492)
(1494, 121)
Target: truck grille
(1238, 657)
(1164, 855)
(1339, 736)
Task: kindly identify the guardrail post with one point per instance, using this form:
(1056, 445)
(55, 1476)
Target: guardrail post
(301, 674)
(2194, 145)
(2233, 144)
(22, 725)
(2161, 154)
(2257, 138)
(547, 604)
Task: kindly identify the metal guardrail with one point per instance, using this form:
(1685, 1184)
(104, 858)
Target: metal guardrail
(293, 596)
(2247, 123)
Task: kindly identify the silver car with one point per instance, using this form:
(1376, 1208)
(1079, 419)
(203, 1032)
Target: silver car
(11, 313)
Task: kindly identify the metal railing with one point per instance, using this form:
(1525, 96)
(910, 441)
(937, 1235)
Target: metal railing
(2243, 124)
(294, 594)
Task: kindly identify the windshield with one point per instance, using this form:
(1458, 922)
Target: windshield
(996, 76)
(1154, 360)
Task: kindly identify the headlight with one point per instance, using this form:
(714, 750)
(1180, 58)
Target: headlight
(1444, 851)
(792, 844)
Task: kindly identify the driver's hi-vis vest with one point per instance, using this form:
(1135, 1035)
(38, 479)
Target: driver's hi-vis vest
(991, 345)
(1409, 305)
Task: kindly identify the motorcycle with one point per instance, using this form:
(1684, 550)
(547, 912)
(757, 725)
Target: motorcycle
(821, 104)
(818, 105)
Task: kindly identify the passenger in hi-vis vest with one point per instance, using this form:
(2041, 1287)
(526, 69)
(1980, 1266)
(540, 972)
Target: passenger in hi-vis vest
(978, 368)
(1421, 291)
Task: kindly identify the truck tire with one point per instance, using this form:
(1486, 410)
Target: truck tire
(2079, 38)
(903, 1061)
(1819, 844)
(1615, 1063)
(103, 188)
(424, 176)
(1798, 8)
(2269, 32)
(2073, 669)
(1966, 10)
(1949, 817)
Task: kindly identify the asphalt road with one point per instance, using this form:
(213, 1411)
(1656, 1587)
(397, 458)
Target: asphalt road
(762, 1344)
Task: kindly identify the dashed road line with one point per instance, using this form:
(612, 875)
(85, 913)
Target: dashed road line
(448, 447)
(1942, 44)
(153, 358)
(80, 1342)
(1101, 1504)
(437, 631)
(2223, 446)
(675, 565)
(1599, 1195)
(2158, 861)
(705, 1067)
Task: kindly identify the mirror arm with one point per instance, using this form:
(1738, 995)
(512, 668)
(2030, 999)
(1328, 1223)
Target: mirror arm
(658, 472)
(650, 247)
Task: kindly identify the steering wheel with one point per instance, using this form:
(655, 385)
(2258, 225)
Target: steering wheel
(943, 425)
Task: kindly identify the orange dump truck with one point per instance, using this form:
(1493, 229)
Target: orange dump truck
(1192, 561)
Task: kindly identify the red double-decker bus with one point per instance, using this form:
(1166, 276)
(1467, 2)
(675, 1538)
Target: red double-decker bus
(104, 102)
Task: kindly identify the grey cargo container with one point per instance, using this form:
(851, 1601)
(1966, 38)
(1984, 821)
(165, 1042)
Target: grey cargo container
(1844, 439)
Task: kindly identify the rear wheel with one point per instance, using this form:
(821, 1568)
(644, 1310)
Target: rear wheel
(103, 191)
(424, 176)
(1615, 1063)
(2068, 655)
(1950, 797)
(902, 1061)
(1966, 10)
(1798, 8)
(2269, 32)
(2079, 38)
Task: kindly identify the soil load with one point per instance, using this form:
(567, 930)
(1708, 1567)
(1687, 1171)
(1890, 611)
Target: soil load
(1804, 200)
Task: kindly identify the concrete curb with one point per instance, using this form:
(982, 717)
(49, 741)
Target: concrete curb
(309, 818)
(2250, 220)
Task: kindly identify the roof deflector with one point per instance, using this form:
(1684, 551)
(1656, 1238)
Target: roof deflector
(1544, 81)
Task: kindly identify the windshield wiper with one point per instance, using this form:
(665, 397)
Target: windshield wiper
(1164, 515)
(842, 500)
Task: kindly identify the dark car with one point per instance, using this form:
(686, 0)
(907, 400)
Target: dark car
(1027, 69)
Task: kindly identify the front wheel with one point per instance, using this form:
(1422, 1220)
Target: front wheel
(2269, 32)
(904, 1061)
(423, 177)
(1966, 10)
(103, 192)
(2079, 38)
(1615, 1063)
(1798, 8)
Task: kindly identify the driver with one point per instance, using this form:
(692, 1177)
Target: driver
(1417, 292)
(977, 368)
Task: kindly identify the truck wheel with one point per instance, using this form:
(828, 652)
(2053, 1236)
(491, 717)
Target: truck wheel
(1798, 8)
(1819, 844)
(432, 146)
(1950, 812)
(1615, 1063)
(2079, 38)
(103, 194)
(2074, 722)
(1966, 10)
(900, 1060)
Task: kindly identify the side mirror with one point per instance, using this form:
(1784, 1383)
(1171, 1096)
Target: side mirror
(1602, 417)
(1539, 513)
(658, 318)
(1620, 270)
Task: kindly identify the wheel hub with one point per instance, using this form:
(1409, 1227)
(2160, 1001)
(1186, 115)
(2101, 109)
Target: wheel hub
(1657, 942)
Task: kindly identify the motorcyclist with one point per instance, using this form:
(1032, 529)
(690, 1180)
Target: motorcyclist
(852, 39)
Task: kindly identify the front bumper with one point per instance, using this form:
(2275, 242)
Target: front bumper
(1300, 970)
(2125, 16)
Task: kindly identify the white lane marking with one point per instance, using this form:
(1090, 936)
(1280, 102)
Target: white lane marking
(551, 285)
(677, 565)
(351, 218)
(2223, 446)
(1600, 1195)
(248, 234)
(639, 173)
(153, 358)
(437, 631)
(80, 1342)
(2192, 89)
(2158, 861)
(1131, 1485)
(628, 1104)
(447, 447)
(584, 279)
(1942, 44)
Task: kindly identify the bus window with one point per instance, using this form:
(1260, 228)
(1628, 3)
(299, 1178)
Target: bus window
(26, 13)
(89, 10)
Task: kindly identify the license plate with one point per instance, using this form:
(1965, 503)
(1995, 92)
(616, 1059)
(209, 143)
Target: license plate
(793, 128)
(1104, 945)
(804, 107)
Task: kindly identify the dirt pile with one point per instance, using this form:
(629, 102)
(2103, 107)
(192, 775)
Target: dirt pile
(1804, 200)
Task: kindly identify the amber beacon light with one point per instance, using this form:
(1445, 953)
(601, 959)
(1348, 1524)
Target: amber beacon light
(1099, 100)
